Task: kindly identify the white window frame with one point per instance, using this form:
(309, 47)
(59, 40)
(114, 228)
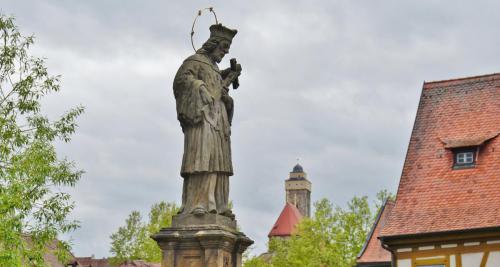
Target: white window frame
(466, 157)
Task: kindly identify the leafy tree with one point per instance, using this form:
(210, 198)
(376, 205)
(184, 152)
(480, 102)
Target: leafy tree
(160, 216)
(333, 237)
(33, 207)
(133, 242)
(353, 225)
(128, 241)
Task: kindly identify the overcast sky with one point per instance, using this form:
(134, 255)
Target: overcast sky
(334, 83)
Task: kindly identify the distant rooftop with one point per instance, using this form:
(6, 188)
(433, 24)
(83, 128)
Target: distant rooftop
(286, 222)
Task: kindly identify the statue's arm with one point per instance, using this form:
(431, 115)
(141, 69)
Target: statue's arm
(228, 77)
(188, 90)
(228, 102)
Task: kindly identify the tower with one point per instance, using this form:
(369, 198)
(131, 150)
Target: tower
(298, 190)
(297, 206)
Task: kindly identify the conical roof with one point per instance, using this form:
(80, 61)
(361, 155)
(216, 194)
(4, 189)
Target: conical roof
(286, 222)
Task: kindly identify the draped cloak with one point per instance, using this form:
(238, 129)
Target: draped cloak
(206, 126)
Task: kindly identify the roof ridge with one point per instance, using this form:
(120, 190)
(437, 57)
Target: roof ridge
(457, 81)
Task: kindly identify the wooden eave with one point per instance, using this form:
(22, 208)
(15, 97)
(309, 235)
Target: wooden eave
(374, 264)
(466, 235)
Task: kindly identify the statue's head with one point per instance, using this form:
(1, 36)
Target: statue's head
(217, 46)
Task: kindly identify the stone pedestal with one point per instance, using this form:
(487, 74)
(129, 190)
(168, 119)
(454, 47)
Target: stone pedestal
(208, 240)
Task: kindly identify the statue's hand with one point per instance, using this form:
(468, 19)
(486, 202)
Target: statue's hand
(231, 76)
(225, 72)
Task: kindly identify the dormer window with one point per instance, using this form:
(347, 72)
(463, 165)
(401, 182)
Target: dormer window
(466, 149)
(464, 157)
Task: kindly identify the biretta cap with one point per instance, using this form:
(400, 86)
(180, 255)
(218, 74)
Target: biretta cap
(217, 30)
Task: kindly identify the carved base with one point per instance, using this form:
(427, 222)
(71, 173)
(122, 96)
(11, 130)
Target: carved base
(201, 246)
(182, 220)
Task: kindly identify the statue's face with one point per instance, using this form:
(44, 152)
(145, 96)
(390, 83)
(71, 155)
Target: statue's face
(220, 51)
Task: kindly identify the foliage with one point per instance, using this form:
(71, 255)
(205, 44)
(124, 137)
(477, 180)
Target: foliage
(333, 237)
(33, 209)
(382, 196)
(133, 242)
(127, 242)
(256, 262)
(160, 216)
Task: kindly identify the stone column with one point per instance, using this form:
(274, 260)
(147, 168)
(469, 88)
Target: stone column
(209, 240)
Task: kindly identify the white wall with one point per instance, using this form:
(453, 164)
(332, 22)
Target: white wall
(404, 263)
(453, 261)
(472, 259)
(493, 259)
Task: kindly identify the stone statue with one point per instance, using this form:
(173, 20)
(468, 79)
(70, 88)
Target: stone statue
(205, 111)
(205, 231)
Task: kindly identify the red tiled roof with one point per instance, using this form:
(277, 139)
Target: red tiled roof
(372, 251)
(286, 222)
(432, 197)
(50, 256)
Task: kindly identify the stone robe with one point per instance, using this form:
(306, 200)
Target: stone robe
(206, 163)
